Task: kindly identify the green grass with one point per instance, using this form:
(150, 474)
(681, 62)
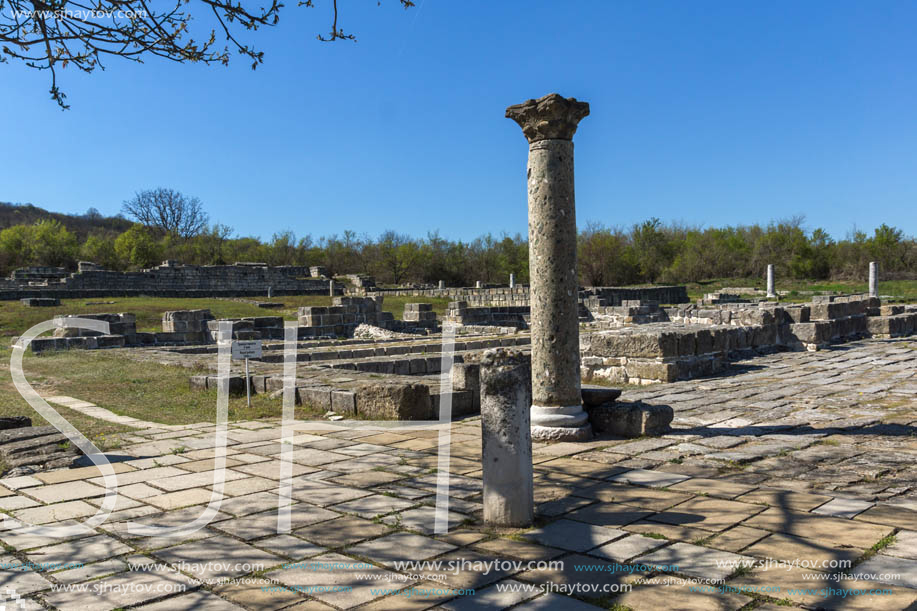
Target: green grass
(16, 318)
(144, 390)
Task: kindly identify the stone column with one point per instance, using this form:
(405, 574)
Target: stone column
(331, 287)
(512, 281)
(506, 440)
(770, 282)
(873, 278)
(549, 124)
(477, 284)
(442, 285)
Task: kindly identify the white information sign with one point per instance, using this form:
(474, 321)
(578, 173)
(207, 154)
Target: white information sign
(246, 349)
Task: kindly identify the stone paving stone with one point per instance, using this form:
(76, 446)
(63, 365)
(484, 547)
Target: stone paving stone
(121, 590)
(193, 480)
(423, 519)
(646, 477)
(55, 513)
(669, 531)
(265, 524)
(67, 491)
(694, 560)
(371, 506)
(354, 578)
(807, 552)
(249, 485)
(216, 557)
(182, 498)
(200, 600)
(608, 514)
(586, 468)
(570, 576)
(559, 507)
(490, 599)
(652, 597)
(905, 545)
(843, 508)
(324, 494)
(17, 483)
(891, 516)
(636, 496)
(290, 547)
(11, 503)
(738, 538)
(90, 549)
(69, 475)
(248, 593)
(459, 487)
(142, 476)
(270, 469)
(713, 487)
(366, 479)
(400, 546)
(886, 567)
(709, 514)
(573, 536)
(555, 602)
(208, 464)
(341, 531)
(502, 548)
(467, 569)
(251, 503)
(23, 582)
(797, 501)
(91, 571)
(836, 532)
(628, 547)
(899, 598)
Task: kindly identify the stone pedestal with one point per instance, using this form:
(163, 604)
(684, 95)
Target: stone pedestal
(549, 124)
(771, 293)
(506, 441)
(873, 278)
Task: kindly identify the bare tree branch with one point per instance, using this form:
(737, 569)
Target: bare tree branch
(167, 211)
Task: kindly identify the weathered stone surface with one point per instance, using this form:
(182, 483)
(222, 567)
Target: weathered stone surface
(549, 117)
(394, 402)
(506, 439)
(631, 419)
(598, 395)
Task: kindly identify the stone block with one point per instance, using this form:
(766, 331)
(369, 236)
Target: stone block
(462, 404)
(198, 382)
(110, 341)
(394, 402)
(631, 419)
(643, 344)
(318, 397)
(343, 402)
(236, 384)
(651, 370)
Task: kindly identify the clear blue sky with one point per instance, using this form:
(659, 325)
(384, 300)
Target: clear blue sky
(707, 113)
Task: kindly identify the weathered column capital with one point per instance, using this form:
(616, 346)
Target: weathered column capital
(552, 117)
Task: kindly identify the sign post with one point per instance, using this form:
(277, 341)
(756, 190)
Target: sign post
(244, 350)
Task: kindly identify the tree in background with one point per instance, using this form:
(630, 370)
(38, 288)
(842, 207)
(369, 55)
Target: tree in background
(100, 249)
(61, 33)
(167, 211)
(137, 247)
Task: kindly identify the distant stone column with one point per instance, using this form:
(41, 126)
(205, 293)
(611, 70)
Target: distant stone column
(477, 284)
(770, 282)
(270, 292)
(331, 287)
(549, 124)
(873, 278)
(442, 285)
(506, 440)
(512, 281)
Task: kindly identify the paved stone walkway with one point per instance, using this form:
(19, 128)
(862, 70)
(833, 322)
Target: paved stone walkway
(795, 457)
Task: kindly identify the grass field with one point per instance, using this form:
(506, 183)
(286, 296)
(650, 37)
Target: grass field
(16, 318)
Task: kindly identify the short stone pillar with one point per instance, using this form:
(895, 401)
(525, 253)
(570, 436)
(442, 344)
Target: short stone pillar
(873, 278)
(331, 287)
(512, 281)
(270, 292)
(442, 285)
(477, 284)
(771, 292)
(506, 440)
(549, 124)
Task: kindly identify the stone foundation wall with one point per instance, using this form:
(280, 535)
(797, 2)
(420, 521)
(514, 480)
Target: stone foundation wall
(169, 280)
(519, 295)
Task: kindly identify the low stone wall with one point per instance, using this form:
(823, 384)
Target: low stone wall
(343, 317)
(169, 280)
(503, 316)
(519, 294)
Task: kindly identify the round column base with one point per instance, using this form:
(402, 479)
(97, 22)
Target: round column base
(562, 433)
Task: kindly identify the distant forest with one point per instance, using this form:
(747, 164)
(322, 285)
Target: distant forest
(649, 252)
